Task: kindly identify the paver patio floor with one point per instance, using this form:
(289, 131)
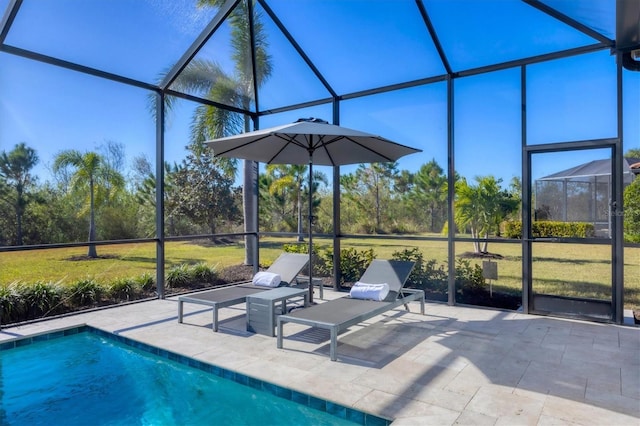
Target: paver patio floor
(454, 365)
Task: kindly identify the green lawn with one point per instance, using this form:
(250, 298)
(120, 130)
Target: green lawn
(558, 269)
(563, 269)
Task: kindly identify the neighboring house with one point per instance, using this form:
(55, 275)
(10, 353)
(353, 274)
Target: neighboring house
(581, 193)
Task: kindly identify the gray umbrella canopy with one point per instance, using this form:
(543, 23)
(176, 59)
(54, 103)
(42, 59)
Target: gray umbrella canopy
(310, 141)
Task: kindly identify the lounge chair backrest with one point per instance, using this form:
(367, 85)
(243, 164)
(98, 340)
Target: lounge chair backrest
(288, 265)
(393, 272)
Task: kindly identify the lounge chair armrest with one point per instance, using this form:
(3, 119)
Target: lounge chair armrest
(411, 290)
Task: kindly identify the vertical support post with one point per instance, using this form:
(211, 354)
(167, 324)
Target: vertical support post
(311, 223)
(527, 264)
(451, 194)
(160, 112)
(255, 241)
(617, 248)
(250, 207)
(337, 227)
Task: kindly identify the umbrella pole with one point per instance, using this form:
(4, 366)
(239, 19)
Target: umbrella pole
(310, 227)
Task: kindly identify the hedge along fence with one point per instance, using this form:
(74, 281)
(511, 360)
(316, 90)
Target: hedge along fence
(29, 301)
(548, 229)
(426, 275)
(21, 301)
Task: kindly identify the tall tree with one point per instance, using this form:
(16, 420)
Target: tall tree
(430, 190)
(377, 181)
(208, 79)
(15, 171)
(514, 195)
(93, 177)
(145, 193)
(632, 153)
(272, 207)
(210, 200)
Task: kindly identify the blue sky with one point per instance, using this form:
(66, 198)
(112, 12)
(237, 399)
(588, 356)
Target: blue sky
(570, 99)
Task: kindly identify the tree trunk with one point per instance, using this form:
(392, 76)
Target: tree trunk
(250, 207)
(212, 230)
(19, 225)
(92, 253)
(485, 245)
(476, 243)
(431, 212)
(300, 236)
(378, 220)
(19, 212)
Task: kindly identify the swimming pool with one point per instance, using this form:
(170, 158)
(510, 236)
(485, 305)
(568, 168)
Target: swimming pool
(86, 376)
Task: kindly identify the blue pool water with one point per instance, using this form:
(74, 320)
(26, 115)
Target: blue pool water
(89, 378)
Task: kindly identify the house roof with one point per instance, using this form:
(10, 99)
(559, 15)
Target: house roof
(595, 168)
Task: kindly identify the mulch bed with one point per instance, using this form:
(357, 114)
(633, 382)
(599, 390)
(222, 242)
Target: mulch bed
(482, 255)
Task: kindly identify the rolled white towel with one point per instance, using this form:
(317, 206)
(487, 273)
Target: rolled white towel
(267, 279)
(369, 291)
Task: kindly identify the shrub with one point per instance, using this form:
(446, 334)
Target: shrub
(352, 263)
(40, 298)
(319, 262)
(146, 282)
(85, 292)
(631, 199)
(201, 272)
(469, 279)
(178, 276)
(546, 228)
(22, 301)
(426, 275)
(124, 289)
(12, 305)
(513, 229)
(185, 275)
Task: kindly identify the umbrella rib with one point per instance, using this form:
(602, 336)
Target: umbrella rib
(235, 148)
(281, 149)
(289, 140)
(369, 149)
(323, 145)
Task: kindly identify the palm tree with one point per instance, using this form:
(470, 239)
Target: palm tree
(289, 179)
(286, 180)
(15, 168)
(481, 208)
(207, 79)
(468, 211)
(146, 193)
(94, 177)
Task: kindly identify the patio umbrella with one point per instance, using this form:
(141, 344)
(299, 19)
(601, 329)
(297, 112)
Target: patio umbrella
(310, 141)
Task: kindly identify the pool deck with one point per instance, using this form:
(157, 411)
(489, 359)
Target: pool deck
(454, 365)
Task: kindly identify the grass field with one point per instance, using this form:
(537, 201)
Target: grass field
(560, 269)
